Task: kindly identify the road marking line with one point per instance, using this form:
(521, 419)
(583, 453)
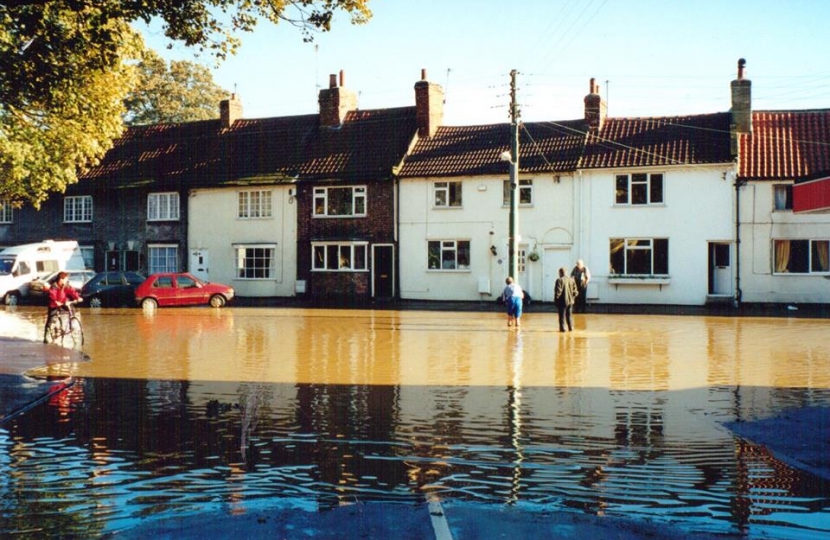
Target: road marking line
(438, 518)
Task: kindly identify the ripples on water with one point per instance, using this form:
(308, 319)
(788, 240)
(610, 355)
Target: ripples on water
(614, 422)
(145, 448)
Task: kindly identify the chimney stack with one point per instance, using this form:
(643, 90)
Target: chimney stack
(230, 110)
(335, 102)
(429, 106)
(742, 101)
(595, 108)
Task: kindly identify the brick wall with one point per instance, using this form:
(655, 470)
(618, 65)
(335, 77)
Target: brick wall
(377, 227)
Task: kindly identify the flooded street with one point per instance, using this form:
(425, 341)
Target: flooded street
(181, 411)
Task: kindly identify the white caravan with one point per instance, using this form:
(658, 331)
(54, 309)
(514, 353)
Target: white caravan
(19, 265)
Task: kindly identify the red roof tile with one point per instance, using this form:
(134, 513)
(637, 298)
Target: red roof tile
(368, 145)
(162, 152)
(472, 150)
(642, 142)
(786, 145)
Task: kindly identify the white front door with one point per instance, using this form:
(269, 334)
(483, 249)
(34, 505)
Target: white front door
(720, 268)
(555, 258)
(199, 263)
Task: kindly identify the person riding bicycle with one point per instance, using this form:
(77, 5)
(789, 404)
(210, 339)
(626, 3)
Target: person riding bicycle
(60, 294)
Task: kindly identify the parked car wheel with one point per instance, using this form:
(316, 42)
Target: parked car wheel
(95, 302)
(12, 298)
(149, 303)
(217, 300)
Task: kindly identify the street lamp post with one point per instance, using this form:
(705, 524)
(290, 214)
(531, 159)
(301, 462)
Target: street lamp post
(513, 248)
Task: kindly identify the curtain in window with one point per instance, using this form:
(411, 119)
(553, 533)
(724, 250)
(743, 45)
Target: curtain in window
(780, 197)
(822, 253)
(782, 255)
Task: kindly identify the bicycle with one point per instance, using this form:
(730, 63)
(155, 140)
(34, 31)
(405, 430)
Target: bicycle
(64, 322)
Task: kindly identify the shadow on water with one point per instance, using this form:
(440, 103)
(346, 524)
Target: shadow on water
(189, 411)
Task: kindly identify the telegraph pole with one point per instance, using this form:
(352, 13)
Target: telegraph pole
(513, 248)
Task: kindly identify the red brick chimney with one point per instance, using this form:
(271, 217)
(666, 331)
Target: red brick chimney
(335, 102)
(230, 110)
(595, 108)
(429, 106)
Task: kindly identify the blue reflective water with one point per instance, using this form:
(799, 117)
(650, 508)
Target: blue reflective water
(114, 452)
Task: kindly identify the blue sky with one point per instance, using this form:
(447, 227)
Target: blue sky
(650, 57)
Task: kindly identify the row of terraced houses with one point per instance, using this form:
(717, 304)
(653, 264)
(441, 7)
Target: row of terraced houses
(390, 203)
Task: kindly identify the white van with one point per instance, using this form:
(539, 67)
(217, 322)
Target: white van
(19, 265)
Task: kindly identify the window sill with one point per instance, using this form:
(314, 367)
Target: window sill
(649, 281)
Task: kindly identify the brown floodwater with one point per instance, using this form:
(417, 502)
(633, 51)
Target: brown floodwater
(189, 410)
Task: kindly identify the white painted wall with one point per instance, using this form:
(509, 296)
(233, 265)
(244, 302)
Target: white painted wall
(760, 224)
(214, 226)
(484, 220)
(697, 209)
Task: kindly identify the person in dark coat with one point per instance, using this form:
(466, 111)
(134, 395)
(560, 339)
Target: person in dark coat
(564, 296)
(581, 275)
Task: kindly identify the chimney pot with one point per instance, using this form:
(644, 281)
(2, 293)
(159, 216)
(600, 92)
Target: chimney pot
(230, 110)
(429, 106)
(335, 102)
(342, 78)
(741, 105)
(595, 108)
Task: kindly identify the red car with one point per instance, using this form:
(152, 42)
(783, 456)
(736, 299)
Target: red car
(181, 289)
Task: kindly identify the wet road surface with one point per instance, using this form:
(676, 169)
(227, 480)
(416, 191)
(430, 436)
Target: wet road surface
(186, 411)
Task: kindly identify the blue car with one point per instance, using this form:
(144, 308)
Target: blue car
(111, 289)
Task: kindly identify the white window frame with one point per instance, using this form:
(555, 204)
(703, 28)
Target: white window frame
(813, 254)
(6, 212)
(322, 207)
(256, 261)
(340, 256)
(168, 262)
(255, 204)
(633, 246)
(525, 192)
(163, 206)
(77, 209)
(447, 194)
(633, 180)
(782, 197)
(448, 255)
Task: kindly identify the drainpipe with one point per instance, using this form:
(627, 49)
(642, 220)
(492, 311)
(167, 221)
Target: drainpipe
(738, 291)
